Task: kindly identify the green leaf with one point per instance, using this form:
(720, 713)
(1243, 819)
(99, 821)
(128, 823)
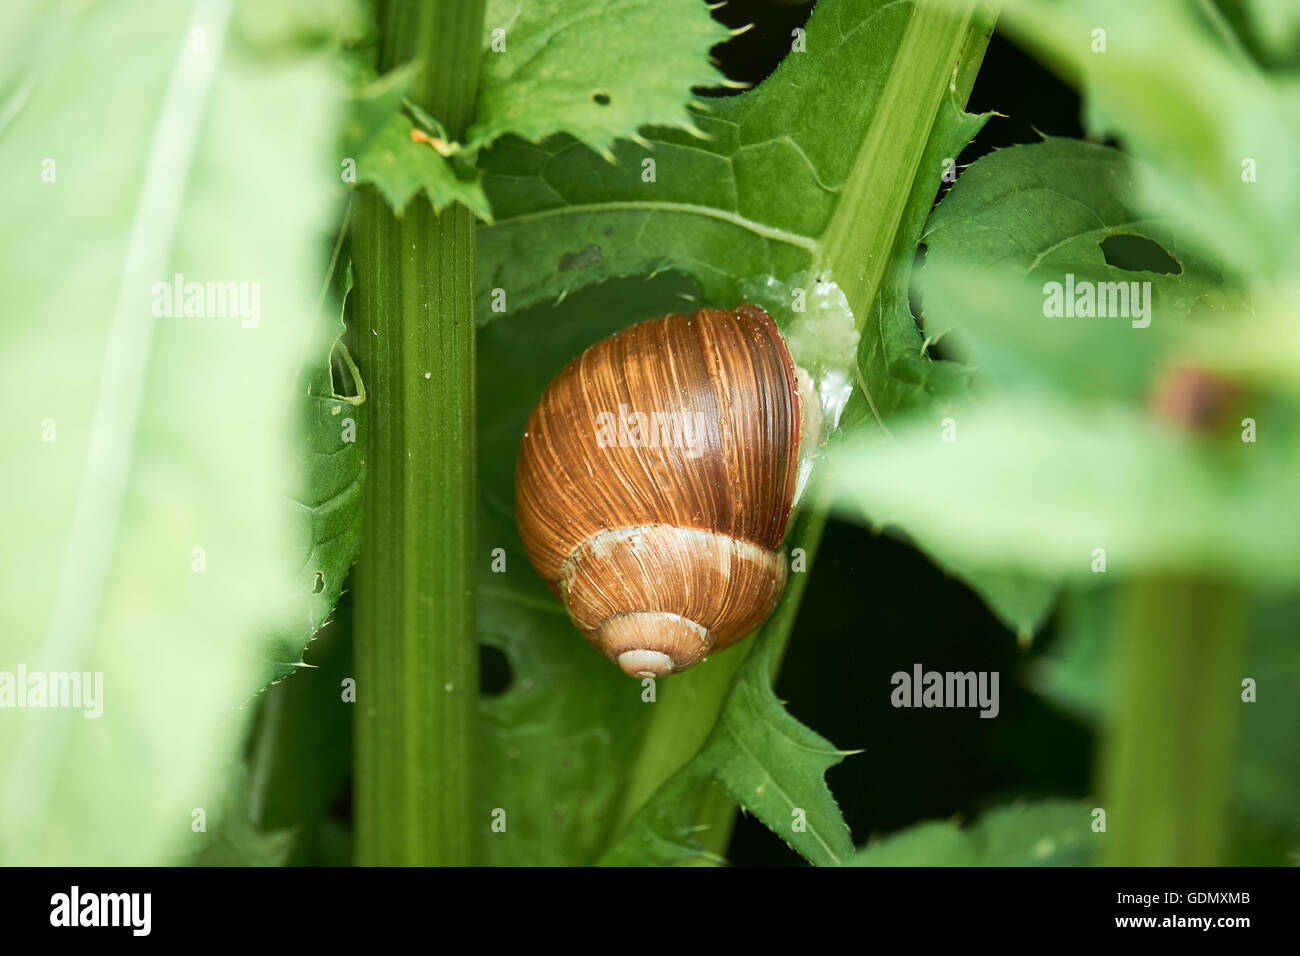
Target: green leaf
(598, 70)
(1204, 110)
(1275, 25)
(372, 100)
(1036, 486)
(242, 844)
(1050, 833)
(768, 762)
(1020, 600)
(400, 168)
(326, 504)
(163, 434)
(896, 373)
(1026, 216)
(894, 370)
(751, 200)
(296, 767)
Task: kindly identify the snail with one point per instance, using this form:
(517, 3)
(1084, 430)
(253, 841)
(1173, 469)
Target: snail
(655, 480)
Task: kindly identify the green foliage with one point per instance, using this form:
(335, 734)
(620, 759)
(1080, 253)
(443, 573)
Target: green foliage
(591, 168)
(1084, 434)
(331, 475)
(1078, 676)
(754, 200)
(1076, 443)
(166, 434)
(1052, 833)
(1191, 109)
(401, 168)
(598, 71)
(771, 764)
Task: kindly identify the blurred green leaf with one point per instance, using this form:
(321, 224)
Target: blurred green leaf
(295, 768)
(1050, 833)
(163, 434)
(598, 70)
(239, 841)
(1275, 25)
(1197, 115)
(371, 100)
(1036, 486)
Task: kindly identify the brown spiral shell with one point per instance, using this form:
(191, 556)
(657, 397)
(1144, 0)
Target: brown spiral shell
(661, 533)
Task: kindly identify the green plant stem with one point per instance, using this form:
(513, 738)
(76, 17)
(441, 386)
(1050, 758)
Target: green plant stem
(1168, 759)
(940, 55)
(415, 646)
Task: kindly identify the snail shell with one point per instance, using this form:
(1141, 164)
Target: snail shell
(655, 481)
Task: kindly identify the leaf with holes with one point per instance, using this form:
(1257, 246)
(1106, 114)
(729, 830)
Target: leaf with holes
(327, 503)
(599, 70)
(1061, 211)
(752, 199)
(1212, 135)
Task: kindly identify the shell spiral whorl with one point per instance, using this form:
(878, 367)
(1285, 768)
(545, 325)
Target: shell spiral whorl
(655, 481)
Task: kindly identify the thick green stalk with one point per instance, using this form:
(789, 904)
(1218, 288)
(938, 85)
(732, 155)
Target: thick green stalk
(415, 645)
(1168, 759)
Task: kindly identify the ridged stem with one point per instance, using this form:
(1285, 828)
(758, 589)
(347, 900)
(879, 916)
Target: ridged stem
(940, 55)
(415, 645)
(1167, 763)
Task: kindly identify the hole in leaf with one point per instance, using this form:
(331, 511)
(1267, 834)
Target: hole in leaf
(344, 378)
(320, 583)
(1138, 254)
(600, 98)
(494, 670)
